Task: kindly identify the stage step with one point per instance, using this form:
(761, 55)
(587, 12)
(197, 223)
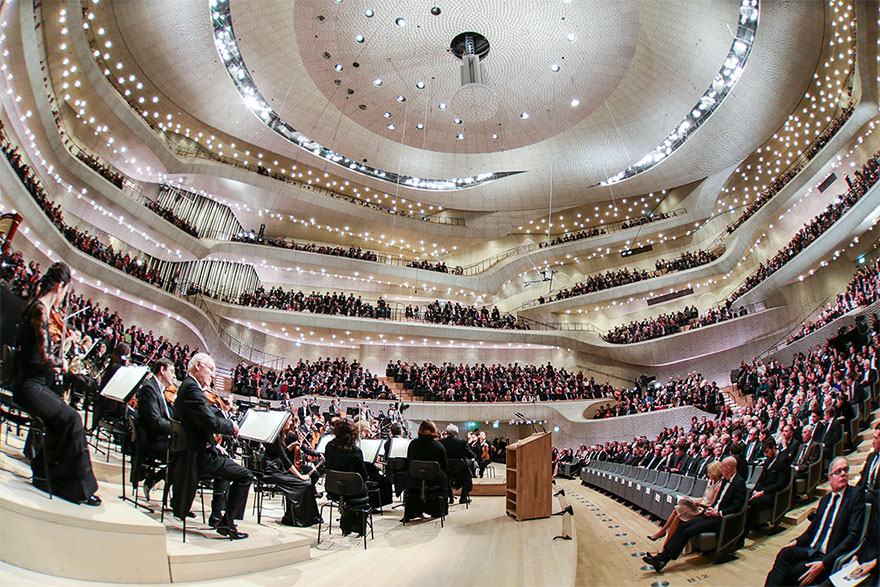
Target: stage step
(799, 514)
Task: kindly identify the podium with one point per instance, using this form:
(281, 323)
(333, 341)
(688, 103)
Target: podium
(529, 491)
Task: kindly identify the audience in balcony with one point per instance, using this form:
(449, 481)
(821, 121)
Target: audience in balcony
(780, 182)
(458, 315)
(80, 239)
(439, 266)
(350, 252)
(865, 178)
(574, 236)
(862, 290)
(105, 170)
(609, 279)
(328, 377)
(173, 218)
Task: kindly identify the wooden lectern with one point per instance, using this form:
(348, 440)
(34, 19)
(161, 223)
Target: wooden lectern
(530, 477)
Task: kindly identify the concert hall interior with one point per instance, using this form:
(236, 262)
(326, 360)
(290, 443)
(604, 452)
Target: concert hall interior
(567, 292)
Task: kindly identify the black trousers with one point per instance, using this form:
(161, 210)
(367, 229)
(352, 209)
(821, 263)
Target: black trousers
(227, 474)
(686, 531)
(791, 563)
(70, 465)
(757, 505)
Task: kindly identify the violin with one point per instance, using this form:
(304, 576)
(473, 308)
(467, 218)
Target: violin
(56, 325)
(485, 454)
(170, 394)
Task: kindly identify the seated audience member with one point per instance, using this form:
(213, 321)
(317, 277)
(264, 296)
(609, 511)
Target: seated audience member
(774, 477)
(687, 510)
(731, 499)
(425, 447)
(808, 453)
(869, 480)
(835, 529)
(459, 474)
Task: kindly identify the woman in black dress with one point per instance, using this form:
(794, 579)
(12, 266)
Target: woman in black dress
(70, 466)
(300, 506)
(342, 454)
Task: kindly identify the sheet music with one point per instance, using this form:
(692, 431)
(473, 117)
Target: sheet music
(322, 444)
(399, 446)
(370, 447)
(124, 382)
(262, 426)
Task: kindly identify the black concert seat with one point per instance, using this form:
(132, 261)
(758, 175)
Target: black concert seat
(347, 491)
(431, 499)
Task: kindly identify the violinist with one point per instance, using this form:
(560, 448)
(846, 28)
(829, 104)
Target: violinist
(153, 410)
(37, 364)
(283, 469)
(107, 409)
(203, 457)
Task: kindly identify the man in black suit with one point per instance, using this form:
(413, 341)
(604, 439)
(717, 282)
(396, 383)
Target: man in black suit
(457, 455)
(835, 529)
(731, 499)
(203, 457)
(774, 477)
(680, 461)
(154, 415)
(753, 447)
(869, 481)
(808, 453)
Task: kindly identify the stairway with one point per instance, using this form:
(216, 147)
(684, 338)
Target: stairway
(405, 395)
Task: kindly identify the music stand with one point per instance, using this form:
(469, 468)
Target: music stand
(398, 449)
(121, 388)
(322, 443)
(370, 448)
(262, 425)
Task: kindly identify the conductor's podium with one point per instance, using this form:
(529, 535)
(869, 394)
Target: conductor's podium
(120, 544)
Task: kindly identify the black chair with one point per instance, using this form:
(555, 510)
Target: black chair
(143, 465)
(425, 472)
(12, 413)
(721, 546)
(456, 468)
(847, 556)
(177, 447)
(781, 504)
(347, 491)
(804, 486)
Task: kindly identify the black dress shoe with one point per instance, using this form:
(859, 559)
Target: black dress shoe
(465, 500)
(231, 533)
(93, 501)
(190, 515)
(654, 561)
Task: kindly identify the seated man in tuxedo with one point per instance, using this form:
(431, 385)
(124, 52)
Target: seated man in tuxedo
(730, 500)
(457, 455)
(154, 415)
(835, 529)
(203, 457)
(774, 477)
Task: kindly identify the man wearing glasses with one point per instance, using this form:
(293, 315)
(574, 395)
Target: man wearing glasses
(835, 529)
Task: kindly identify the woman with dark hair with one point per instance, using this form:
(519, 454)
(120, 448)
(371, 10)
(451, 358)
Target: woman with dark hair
(426, 447)
(342, 454)
(37, 364)
(106, 408)
(300, 507)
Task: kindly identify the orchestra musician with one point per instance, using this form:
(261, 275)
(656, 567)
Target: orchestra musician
(154, 413)
(459, 474)
(342, 454)
(37, 363)
(425, 447)
(203, 456)
(283, 469)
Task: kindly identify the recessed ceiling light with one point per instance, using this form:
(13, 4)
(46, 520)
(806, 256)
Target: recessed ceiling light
(571, 37)
(377, 82)
(400, 21)
(442, 106)
(524, 115)
(391, 126)
(456, 120)
(459, 136)
(420, 85)
(575, 102)
(369, 13)
(387, 115)
(401, 98)
(338, 67)
(435, 11)
(359, 39)
(495, 136)
(420, 126)
(554, 67)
